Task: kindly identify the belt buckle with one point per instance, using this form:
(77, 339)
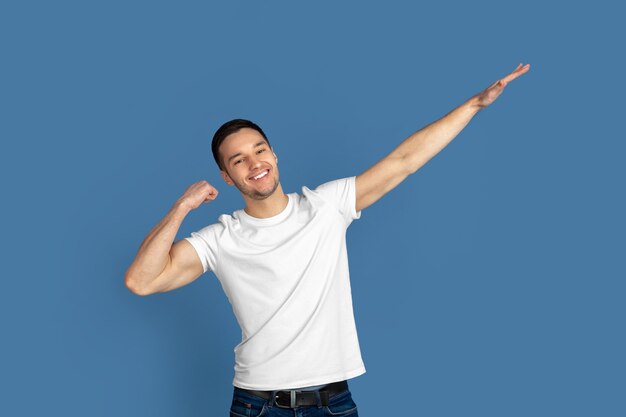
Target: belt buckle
(292, 398)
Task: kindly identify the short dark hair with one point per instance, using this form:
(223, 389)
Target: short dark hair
(229, 128)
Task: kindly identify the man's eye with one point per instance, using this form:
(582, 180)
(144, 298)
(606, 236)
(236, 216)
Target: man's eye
(261, 150)
(237, 161)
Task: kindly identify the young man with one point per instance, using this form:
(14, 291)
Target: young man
(283, 264)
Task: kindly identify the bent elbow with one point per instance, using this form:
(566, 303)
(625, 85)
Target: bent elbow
(133, 287)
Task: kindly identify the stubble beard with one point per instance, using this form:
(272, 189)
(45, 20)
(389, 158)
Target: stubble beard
(259, 195)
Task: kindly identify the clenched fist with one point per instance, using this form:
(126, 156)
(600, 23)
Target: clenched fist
(196, 194)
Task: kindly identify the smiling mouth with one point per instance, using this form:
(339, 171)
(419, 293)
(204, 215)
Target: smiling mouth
(260, 176)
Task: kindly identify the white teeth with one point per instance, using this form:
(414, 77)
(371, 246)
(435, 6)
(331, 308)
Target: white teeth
(261, 175)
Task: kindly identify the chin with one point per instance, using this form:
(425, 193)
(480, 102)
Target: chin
(259, 195)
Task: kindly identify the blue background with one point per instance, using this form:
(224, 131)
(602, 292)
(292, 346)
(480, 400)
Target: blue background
(489, 283)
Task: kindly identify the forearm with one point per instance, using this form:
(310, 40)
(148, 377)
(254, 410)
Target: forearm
(421, 146)
(154, 252)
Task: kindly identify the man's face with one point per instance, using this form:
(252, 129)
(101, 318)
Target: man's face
(250, 164)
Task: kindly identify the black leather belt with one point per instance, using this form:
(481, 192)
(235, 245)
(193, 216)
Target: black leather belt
(295, 398)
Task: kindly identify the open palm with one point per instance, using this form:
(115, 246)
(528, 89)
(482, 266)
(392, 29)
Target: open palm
(491, 93)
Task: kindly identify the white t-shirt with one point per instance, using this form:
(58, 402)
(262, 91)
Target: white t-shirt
(287, 280)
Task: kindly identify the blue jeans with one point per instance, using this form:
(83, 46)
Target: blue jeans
(246, 405)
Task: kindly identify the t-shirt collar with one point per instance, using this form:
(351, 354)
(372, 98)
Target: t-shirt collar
(267, 221)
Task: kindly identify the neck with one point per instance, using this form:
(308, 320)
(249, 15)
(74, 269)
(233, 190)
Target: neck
(269, 207)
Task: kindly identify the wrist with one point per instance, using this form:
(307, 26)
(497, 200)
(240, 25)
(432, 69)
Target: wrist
(181, 207)
(473, 104)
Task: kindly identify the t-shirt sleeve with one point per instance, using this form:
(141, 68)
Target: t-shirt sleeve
(342, 193)
(204, 241)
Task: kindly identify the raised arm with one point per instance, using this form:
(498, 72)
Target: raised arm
(160, 264)
(419, 148)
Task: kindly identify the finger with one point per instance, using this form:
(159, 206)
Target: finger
(521, 69)
(512, 76)
(517, 72)
(513, 72)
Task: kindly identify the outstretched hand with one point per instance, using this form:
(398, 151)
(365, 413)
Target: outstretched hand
(491, 93)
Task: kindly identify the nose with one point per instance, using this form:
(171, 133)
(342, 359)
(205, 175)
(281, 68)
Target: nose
(254, 162)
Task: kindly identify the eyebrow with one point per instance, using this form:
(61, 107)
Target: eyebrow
(261, 143)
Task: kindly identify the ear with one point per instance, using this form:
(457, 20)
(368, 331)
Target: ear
(226, 178)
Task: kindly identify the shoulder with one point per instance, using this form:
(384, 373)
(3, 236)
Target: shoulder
(332, 189)
(340, 193)
(224, 222)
